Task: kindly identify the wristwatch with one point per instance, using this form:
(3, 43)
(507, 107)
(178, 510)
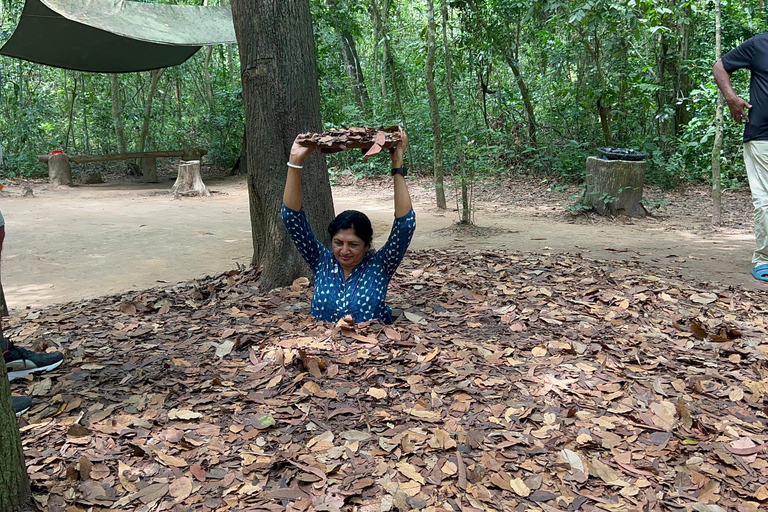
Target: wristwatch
(400, 170)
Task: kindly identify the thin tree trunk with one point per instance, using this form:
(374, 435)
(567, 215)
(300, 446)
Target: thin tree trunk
(179, 102)
(526, 96)
(231, 63)
(434, 112)
(154, 80)
(15, 493)
(682, 76)
(282, 99)
(207, 79)
(354, 70)
(465, 203)
(385, 55)
(85, 126)
(373, 9)
(717, 190)
(71, 115)
(390, 63)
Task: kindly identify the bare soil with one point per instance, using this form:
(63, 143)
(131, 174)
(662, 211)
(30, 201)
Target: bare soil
(67, 244)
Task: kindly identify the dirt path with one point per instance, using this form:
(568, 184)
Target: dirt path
(65, 245)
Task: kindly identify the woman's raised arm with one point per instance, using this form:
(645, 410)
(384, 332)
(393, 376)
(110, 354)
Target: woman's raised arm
(402, 198)
(292, 197)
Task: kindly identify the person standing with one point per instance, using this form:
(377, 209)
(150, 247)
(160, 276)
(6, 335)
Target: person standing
(20, 362)
(753, 56)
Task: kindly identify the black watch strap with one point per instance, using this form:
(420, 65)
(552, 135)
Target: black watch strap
(400, 170)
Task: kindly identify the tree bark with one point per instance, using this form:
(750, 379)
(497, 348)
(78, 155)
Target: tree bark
(188, 181)
(282, 99)
(59, 170)
(465, 199)
(14, 484)
(615, 187)
(717, 146)
(434, 112)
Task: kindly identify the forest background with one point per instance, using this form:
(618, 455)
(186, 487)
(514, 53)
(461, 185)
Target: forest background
(536, 87)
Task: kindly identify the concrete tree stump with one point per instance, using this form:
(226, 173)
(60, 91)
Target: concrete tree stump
(149, 170)
(615, 187)
(59, 170)
(189, 182)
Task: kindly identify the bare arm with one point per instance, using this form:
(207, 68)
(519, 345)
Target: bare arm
(292, 197)
(737, 105)
(402, 198)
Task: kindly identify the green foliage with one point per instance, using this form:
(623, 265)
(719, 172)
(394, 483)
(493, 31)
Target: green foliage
(645, 63)
(36, 103)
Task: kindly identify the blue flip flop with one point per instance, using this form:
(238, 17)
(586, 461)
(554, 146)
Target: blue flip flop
(760, 272)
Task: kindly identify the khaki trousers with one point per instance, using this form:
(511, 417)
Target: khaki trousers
(756, 160)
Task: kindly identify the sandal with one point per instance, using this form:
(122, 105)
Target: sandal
(760, 272)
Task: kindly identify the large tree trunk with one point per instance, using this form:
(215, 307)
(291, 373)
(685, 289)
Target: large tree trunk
(117, 113)
(282, 99)
(465, 199)
(434, 112)
(14, 485)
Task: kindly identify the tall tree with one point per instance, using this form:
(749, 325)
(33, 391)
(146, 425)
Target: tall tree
(154, 81)
(717, 146)
(465, 204)
(342, 18)
(434, 110)
(282, 99)
(14, 484)
(117, 112)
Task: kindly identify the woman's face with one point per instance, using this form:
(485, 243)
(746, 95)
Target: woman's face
(348, 248)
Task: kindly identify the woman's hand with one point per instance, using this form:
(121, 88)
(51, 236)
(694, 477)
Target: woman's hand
(299, 153)
(398, 152)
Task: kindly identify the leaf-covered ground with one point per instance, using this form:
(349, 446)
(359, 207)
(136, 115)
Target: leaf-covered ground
(511, 382)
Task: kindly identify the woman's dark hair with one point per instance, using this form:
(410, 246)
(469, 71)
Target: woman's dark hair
(357, 221)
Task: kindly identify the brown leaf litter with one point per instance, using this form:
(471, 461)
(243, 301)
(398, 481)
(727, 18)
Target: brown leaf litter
(512, 382)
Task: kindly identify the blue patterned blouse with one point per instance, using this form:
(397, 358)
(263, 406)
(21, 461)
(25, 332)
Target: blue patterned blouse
(362, 295)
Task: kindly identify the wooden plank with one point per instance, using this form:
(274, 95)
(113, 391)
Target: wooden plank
(81, 159)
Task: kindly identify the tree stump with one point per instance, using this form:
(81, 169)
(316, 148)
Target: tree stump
(615, 187)
(149, 170)
(188, 181)
(59, 170)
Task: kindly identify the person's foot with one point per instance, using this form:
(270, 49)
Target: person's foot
(20, 362)
(21, 404)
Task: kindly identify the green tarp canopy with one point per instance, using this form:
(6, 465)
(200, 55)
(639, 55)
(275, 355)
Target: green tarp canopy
(115, 36)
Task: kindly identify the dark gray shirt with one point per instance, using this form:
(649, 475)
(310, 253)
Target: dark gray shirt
(753, 55)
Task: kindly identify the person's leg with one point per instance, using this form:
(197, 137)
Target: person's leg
(21, 362)
(3, 305)
(756, 161)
